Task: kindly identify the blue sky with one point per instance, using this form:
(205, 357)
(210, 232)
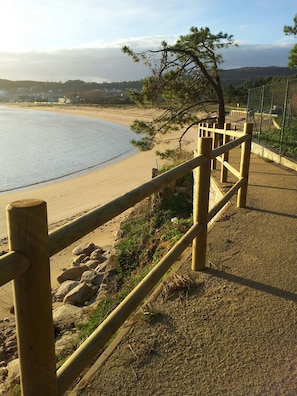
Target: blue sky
(58, 40)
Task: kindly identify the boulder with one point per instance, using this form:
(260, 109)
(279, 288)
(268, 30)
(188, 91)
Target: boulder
(92, 277)
(78, 260)
(101, 267)
(80, 294)
(107, 250)
(13, 375)
(85, 248)
(72, 273)
(66, 316)
(92, 263)
(64, 289)
(96, 254)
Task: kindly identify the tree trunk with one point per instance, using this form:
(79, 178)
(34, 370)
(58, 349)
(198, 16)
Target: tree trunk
(221, 111)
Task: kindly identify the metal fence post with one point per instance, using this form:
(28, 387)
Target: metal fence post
(245, 165)
(201, 203)
(284, 118)
(28, 234)
(215, 144)
(226, 139)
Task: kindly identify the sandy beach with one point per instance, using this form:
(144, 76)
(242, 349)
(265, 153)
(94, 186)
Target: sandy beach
(70, 198)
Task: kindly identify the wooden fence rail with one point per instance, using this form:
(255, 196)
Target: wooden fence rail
(30, 247)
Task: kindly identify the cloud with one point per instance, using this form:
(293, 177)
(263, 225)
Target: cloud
(85, 64)
(255, 56)
(110, 64)
(138, 43)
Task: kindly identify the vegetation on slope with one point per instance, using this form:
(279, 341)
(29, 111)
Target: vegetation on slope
(151, 230)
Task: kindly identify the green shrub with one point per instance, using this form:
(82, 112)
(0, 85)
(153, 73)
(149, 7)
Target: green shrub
(146, 236)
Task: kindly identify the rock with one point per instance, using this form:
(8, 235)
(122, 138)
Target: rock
(65, 342)
(86, 248)
(92, 277)
(11, 348)
(72, 273)
(96, 254)
(64, 289)
(107, 250)
(13, 372)
(101, 267)
(66, 316)
(78, 260)
(80, 294)
(88, 276)
(109, 283)
(8, 342)
(87, 258)
(3, 375)
(92, 263)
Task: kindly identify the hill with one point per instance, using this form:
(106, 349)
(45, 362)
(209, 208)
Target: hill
(238, 76)
(117, 92)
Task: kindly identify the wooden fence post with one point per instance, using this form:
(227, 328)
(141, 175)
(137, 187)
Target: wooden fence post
(201, 203)
(226, 138)
(245, 165)
(28, 234)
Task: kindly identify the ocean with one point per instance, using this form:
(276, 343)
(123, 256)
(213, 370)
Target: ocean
(39, 146)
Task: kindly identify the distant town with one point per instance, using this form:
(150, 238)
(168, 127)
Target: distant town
(72, 91)
(80, 92)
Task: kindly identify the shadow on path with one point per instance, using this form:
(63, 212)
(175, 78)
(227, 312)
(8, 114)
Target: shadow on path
(272, 212)
(253, 284)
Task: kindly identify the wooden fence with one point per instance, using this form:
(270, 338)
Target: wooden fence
(30, 248)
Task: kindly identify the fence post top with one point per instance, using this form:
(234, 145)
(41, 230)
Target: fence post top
(26, 203)
(205, 138)
(205, 141)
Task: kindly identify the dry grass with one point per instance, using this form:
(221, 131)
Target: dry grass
(175, 285)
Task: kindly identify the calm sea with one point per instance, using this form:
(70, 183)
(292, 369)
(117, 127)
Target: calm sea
(39, 146)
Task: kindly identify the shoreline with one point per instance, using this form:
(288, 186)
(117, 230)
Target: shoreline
(61, 173)
(84, 178)
(72, 175)
(71, 198)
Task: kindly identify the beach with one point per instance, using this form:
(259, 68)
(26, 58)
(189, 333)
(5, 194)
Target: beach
(68, 199)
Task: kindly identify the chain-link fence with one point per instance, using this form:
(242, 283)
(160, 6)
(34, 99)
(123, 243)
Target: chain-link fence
(273, 110)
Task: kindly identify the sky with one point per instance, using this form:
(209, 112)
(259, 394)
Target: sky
(60, 40)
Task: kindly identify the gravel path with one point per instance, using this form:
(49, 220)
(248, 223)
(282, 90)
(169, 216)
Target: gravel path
(234, 333)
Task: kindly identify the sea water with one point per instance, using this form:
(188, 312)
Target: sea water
(39, 146)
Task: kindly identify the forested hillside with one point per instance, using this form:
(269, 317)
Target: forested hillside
(237, 77)
(77, 91)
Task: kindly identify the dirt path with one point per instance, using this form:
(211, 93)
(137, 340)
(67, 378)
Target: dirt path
(235, 332)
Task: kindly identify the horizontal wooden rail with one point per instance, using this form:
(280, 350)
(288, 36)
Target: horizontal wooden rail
(230, 168)
(233, 133)
(229, 132)
(12, 265)
(76, 229)
(229, 146)
(31, 245)
(225, 198)
(90, 347)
